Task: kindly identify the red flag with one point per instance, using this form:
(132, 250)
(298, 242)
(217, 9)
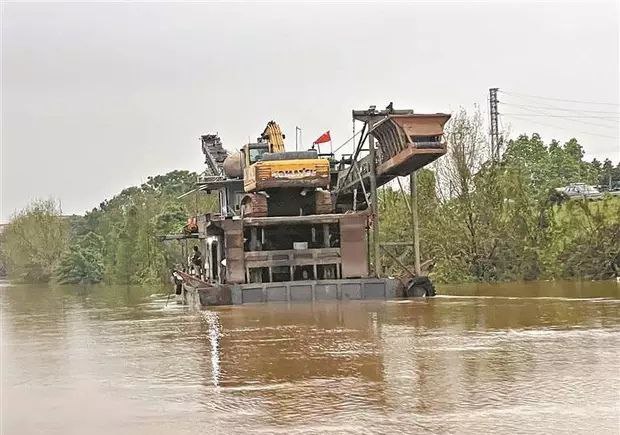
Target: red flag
(325, 137)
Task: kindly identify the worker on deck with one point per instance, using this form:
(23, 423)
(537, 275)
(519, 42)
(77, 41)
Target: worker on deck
(177, 281)
(197, 261)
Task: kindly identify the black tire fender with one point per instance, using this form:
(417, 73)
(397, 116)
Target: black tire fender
(420, 286)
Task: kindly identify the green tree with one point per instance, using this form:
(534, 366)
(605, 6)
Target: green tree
(34, 241)
(131, 222)
(83, 261)
(585, 240)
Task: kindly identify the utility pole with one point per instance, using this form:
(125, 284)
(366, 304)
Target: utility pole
(496, 140)
(413, 191)
(374, 199)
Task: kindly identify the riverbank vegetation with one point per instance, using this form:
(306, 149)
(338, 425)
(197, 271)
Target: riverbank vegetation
(484, 220)
(480, 220)
(116, 242)
(34, 242)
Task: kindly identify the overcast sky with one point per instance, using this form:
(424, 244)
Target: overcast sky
(96, 97)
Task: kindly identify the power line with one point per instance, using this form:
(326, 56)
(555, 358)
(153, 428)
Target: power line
(561, 109)
(572, 118)
(346, 142)
(560, 99)
(563, 116)
(562, 128)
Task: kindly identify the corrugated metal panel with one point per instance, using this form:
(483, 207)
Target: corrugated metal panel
(233, 246)
(422, 125)
(353, 246)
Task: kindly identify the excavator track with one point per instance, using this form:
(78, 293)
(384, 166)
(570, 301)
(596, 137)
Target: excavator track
(254, 205)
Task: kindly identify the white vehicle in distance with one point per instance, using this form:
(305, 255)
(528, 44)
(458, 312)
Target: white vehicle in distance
(580, 191)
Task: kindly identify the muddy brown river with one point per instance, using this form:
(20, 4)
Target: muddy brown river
(511, 358)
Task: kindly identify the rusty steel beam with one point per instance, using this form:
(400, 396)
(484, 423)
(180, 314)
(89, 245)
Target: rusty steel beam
(413, 188)
(291, 257)
(314, 219)
(393, 257)
(402, 192)
(374, 200)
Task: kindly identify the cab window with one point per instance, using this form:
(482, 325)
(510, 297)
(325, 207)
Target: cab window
(256, 154)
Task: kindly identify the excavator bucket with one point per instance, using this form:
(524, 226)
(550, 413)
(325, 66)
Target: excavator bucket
(409, 142)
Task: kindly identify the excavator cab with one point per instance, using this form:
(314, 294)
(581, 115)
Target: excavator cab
(254, 152)
(271, 140)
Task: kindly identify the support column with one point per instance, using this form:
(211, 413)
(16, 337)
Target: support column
(374, 200)
(326, 235)
(253, 239)
(413, 190)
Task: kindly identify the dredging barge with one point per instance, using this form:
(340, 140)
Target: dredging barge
(302, 225)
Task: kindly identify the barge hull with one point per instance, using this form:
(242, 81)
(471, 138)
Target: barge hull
(298, 291)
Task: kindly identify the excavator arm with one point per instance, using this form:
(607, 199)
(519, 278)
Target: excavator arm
(274, 136)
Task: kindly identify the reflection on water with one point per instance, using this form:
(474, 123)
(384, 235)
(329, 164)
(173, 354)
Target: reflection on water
(510, 358)
(213, 323)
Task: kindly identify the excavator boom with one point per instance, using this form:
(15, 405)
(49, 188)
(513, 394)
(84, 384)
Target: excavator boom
(273, 135)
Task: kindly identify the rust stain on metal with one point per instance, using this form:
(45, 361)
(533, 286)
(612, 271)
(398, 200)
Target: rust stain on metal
(410, 159)
(353, 246)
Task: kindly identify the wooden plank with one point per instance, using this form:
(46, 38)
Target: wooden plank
(315, 219)
(285, 252)
(294, 262)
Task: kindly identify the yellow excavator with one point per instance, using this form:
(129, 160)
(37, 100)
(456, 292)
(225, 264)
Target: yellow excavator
(279, 182)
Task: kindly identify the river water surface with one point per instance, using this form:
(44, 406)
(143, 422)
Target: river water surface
(510, 358)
